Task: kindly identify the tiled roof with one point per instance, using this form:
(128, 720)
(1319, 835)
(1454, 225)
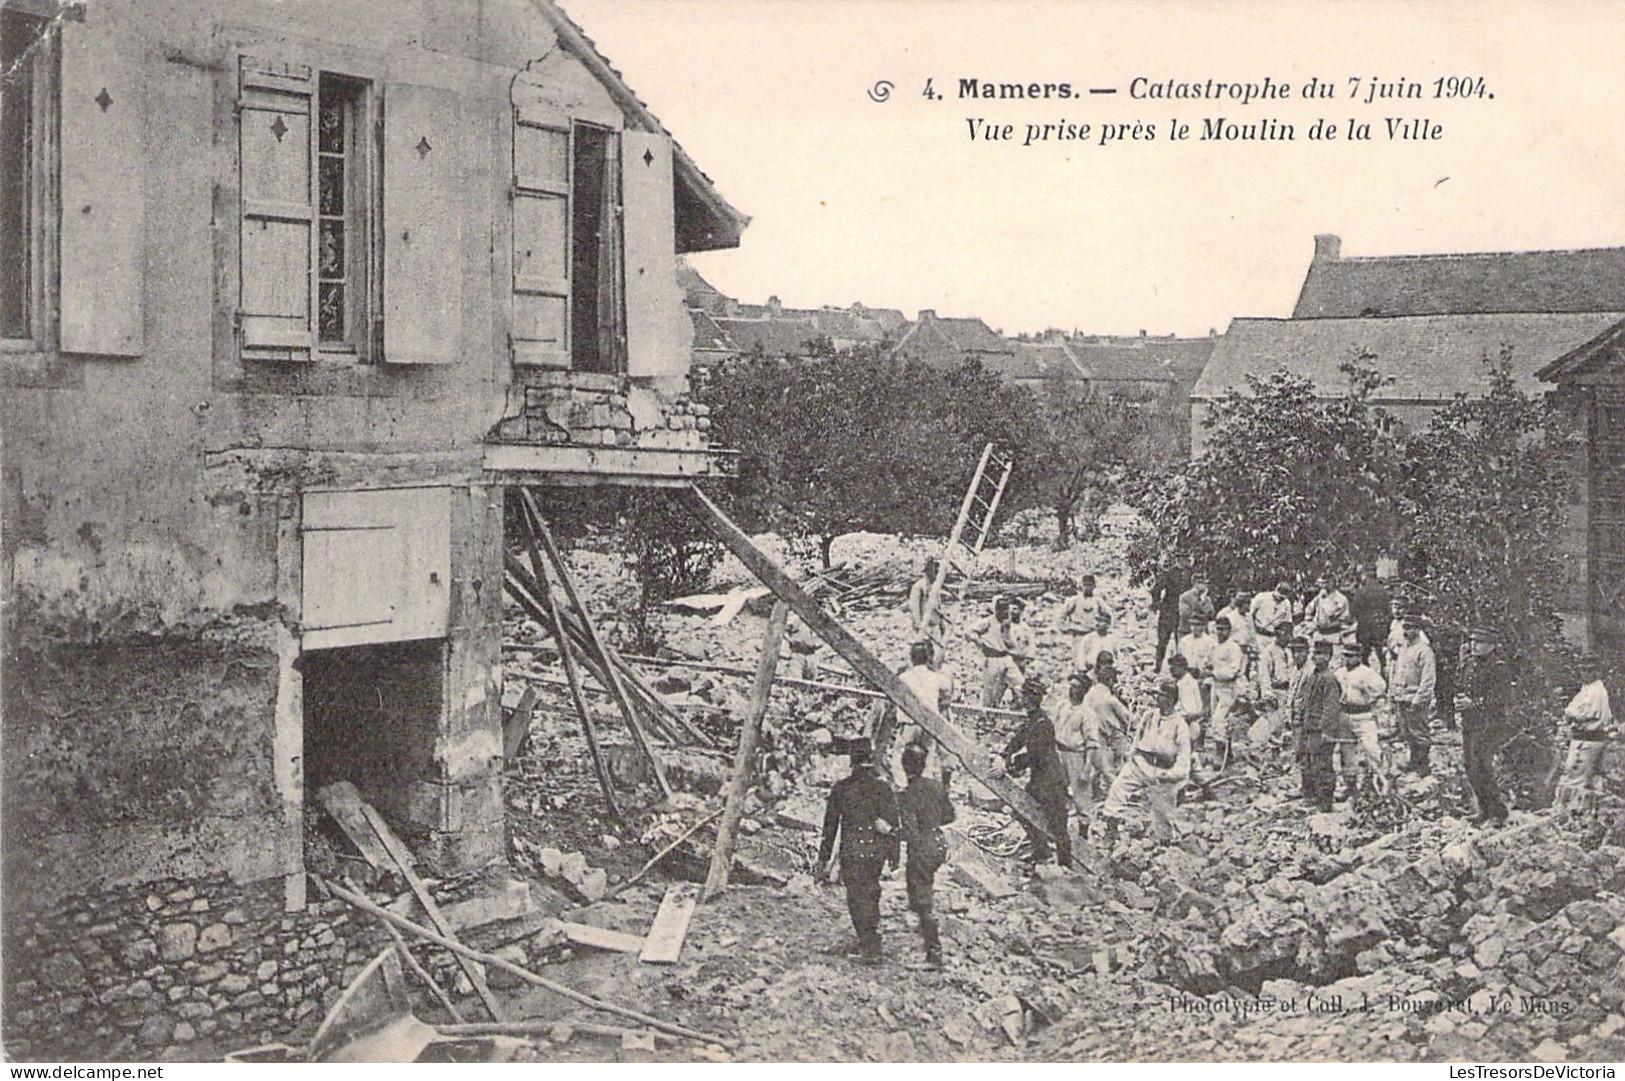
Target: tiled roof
(1604, 352)
(1122, 363)
(971, 335)
(708, 335)
(1587, 280)
(698, 292)
(777, 337)
(1431, 358)
(1036, 360)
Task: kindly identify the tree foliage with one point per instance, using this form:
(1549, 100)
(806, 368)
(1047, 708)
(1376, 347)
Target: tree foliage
(1288, 483)
(1080, 452)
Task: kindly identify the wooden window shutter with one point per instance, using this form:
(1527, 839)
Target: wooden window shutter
(659, 333)
(103, 237)
(422, 226)
(541, 239)
(275, 260)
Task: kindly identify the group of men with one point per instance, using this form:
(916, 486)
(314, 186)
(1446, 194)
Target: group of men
(1308, 674)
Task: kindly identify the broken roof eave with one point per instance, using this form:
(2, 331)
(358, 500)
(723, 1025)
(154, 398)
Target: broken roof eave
(705, 220)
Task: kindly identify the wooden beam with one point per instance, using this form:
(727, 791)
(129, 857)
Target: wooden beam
(493, 961)
(588, 729)
(975, 759)
(662, 854)
(665, 939)
(403, 859)
(750, 731)
(595, 645)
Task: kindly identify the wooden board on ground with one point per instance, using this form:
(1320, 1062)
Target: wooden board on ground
(599, 938)
(341, 801)
(666, 934)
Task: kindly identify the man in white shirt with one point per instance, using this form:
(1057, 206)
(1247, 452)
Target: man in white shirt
(1362, 688)
(1415, 677)
(1159, 763)
(1228, 665)
(1072, 741)
(1241, 625)
(1191, 707)
(1329, 611)
(1590, 718)
(936, 689)
(1195, 644)
(1274, 674)
(1000, 644)
(918, 594)
(1269, 610)
(1098, 641)
(1078, 614)
(1108, 727)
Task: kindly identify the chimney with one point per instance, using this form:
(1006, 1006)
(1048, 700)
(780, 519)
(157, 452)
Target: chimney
(1142, 332)
(1328, 246)
(927, 315)
(774, 306)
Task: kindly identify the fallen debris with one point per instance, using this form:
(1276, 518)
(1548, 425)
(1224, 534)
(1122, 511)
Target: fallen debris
(665, 940)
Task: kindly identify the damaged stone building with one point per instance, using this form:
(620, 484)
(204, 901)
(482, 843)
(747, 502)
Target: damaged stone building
(292, 293)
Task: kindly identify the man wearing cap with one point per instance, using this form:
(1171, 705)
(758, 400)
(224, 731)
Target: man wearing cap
(1191, 708)
(1236, 614)
(1228, 664)
(1271, 610)
(1590, 719)
(923, 808)
(995, 637)
(1165, 592)
(1159, 762)
(1372, 609)
(1072, 741)
(1098, 641)
(1362, 689)
(1329, 611)
(1078, 614)
(1195, 603)
(1107, 726)
(1274, 671)
(1488, 681)
(1321, 722)
(862, 813)
(1302, 669)
(1033, 748)
(1416, 677)
(1196, 647)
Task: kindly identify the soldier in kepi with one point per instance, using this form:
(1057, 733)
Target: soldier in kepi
(862, 813)
(923, 809)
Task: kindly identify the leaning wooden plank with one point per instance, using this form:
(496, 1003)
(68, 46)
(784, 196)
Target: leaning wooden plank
(376, 998)
(403, 860)
(663, 853)
(492, 960)
(866, 664)
(595, 644)
(750, 731)
(599, 938)
(341, 801)
(666, 934)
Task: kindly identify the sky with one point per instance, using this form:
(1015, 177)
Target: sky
(893, 204)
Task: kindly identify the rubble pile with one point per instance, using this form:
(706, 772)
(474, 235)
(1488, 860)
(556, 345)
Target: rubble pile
(1388, 929)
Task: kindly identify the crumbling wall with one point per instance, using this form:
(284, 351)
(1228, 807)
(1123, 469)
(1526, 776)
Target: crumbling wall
(190, 969)
(560, 408)
(135, 760)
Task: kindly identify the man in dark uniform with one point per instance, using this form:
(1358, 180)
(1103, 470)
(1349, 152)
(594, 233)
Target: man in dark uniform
(923, 809)
(1033, 748)
(1320, 708)
(1487, 682)
(1165, 594)
(1372, 607)
(862, 812)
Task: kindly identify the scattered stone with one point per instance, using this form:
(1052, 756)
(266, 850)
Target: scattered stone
(177, 941)
(216, 936)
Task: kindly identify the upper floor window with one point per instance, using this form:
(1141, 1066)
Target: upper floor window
(309, 175)
(569, 305)
(27, 94)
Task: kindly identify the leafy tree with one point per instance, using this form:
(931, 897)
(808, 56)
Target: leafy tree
(1485, 490)
(1080, 451)
(1289, 483)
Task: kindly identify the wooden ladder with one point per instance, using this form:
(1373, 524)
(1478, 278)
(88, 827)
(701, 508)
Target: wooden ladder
(971, 528)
